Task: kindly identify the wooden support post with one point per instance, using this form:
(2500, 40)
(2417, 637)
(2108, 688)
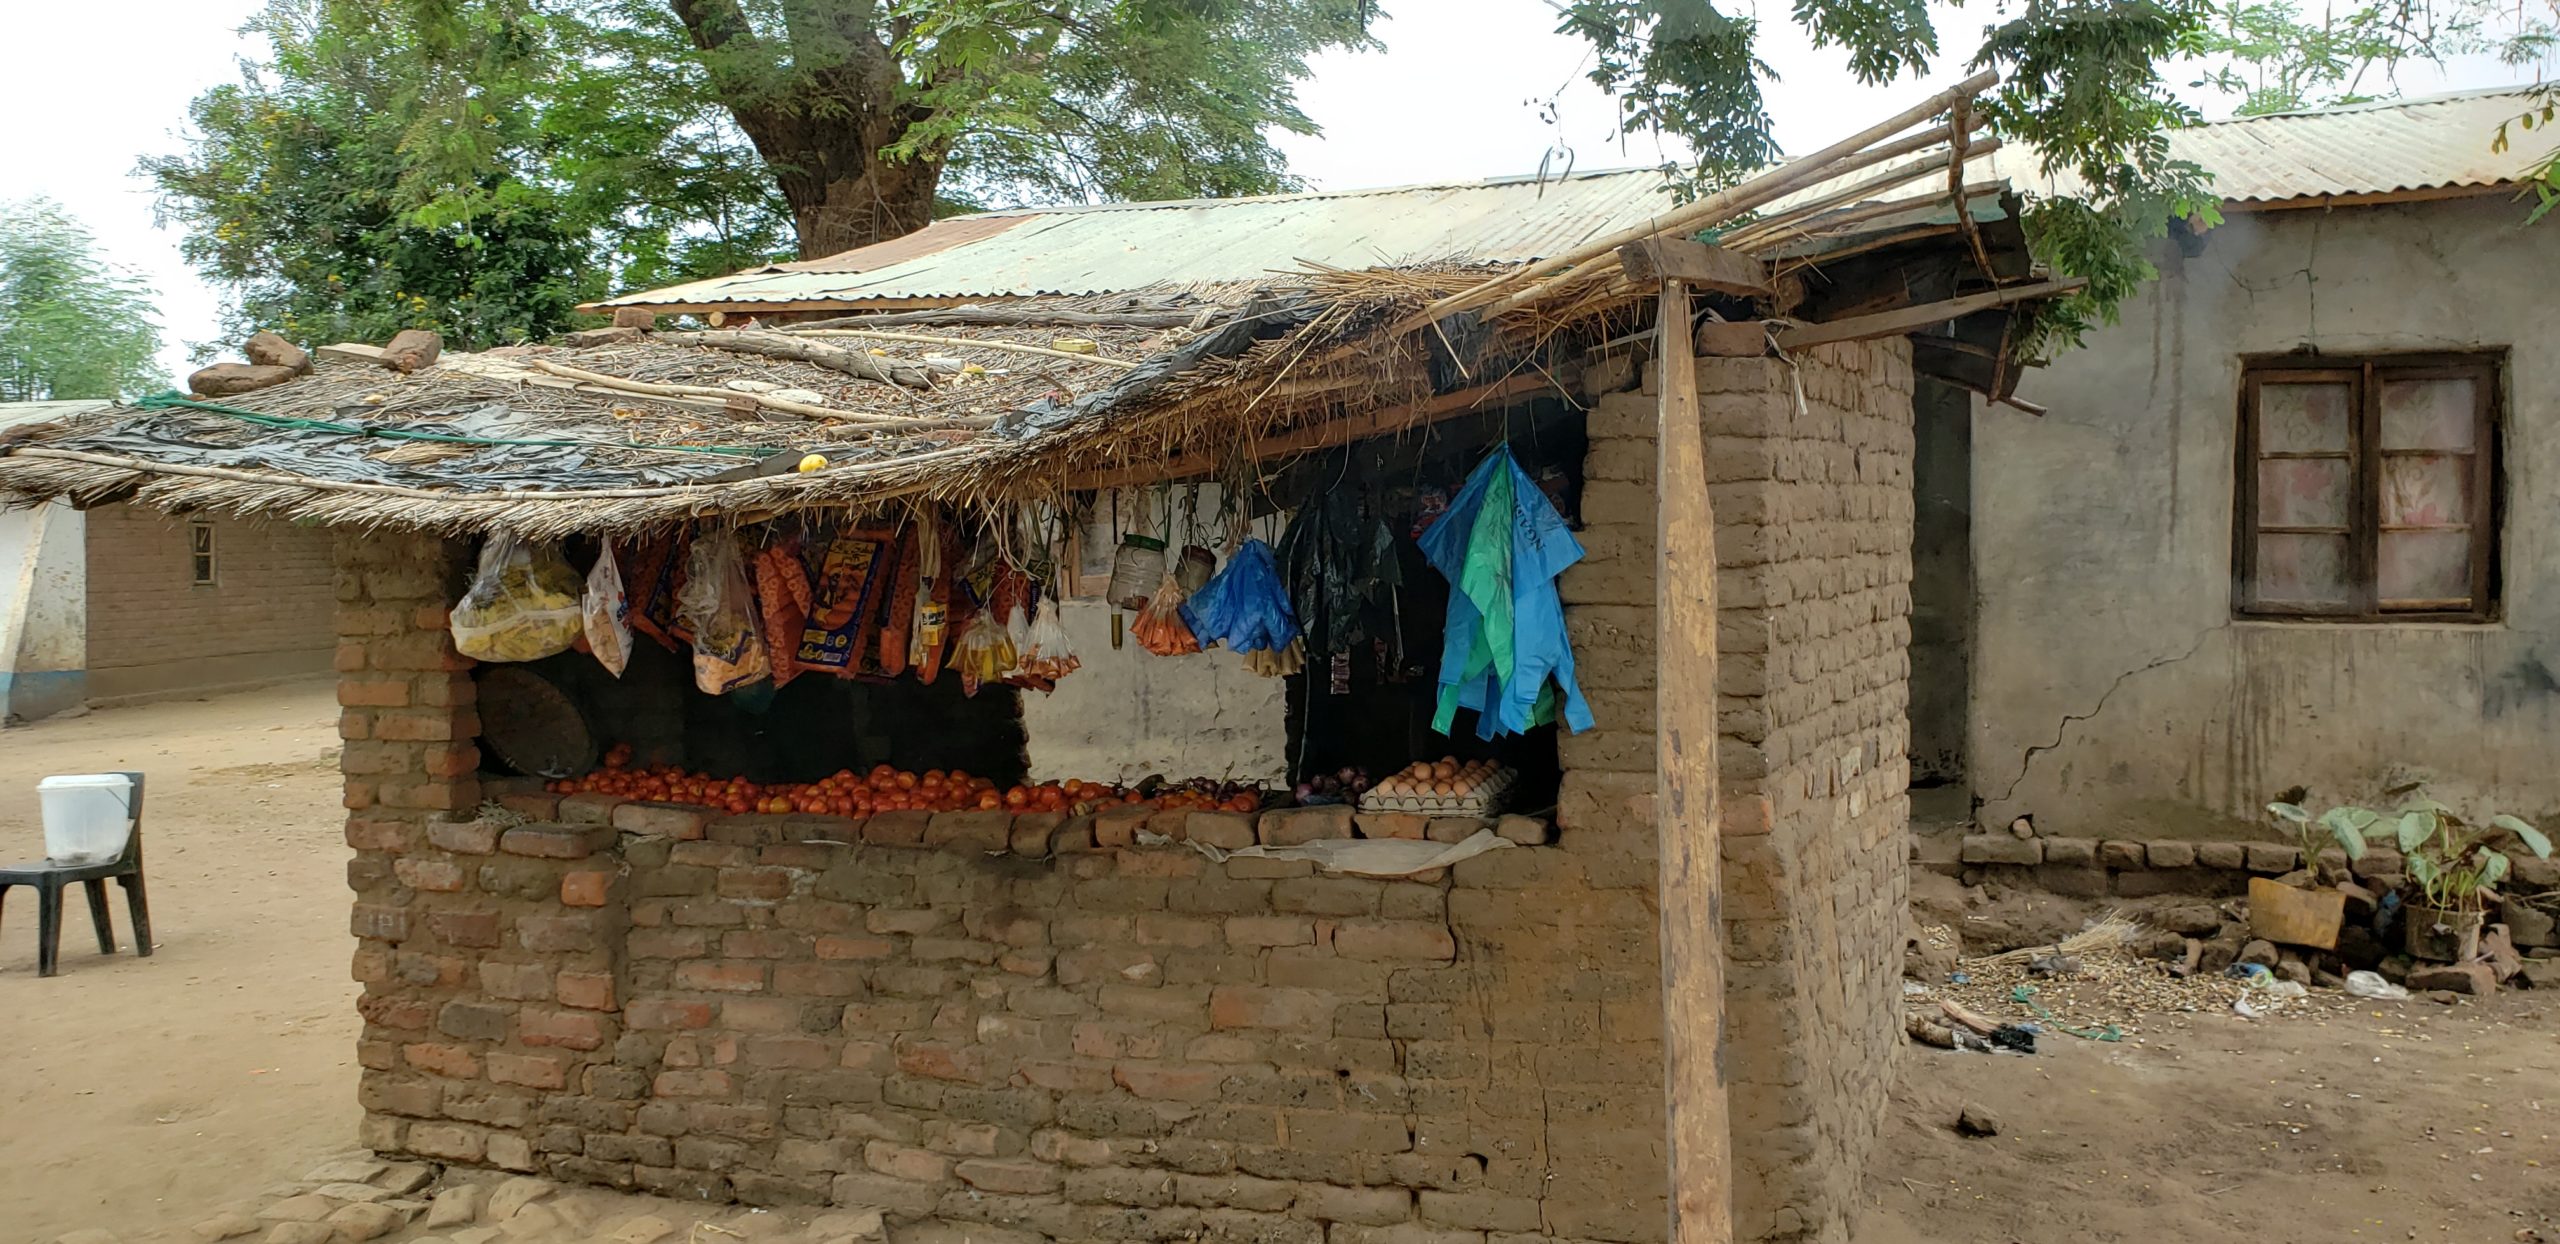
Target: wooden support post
(1684, 806)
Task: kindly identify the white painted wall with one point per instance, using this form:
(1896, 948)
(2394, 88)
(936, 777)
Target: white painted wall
(1128, 713)
(43, 611)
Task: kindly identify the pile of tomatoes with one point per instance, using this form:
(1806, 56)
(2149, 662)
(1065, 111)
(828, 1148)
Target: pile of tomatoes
(883, 789)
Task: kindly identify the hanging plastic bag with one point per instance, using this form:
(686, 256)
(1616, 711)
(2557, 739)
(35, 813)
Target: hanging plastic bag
(607, 613)
(1159, 628)
(524, 604)
(985, 653)
(1245, 607)
(782, 601)
(718, 606)
(1051, 655)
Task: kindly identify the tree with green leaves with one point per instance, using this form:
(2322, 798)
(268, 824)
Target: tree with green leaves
(336, 196)
(71, 324)
(867, 113)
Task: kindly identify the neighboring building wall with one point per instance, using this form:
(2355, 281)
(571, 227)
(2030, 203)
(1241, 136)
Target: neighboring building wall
(152, 629)
(2115, 695)
(43, 652)
(1128, 713)
(1813, 506)
(1137, 1043)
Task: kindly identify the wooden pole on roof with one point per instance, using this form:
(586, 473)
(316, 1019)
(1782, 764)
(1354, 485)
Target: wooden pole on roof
(1711, 210)
(1684, 804)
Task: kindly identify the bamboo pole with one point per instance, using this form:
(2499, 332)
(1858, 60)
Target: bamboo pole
(1689, 838)
(1323, 436)
(309, 483)
(1722, 205)
(1815, 226)
(1865, 159)
(1919, 170)
(969, 343)
(863, 420)
(833, 358)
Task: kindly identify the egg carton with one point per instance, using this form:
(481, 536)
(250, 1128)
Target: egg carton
(1487, 799)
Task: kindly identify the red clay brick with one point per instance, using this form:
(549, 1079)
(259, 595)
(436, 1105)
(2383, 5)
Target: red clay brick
(666, 1013)
(585, 888)
(515, 981)
(464, 837)
(817, 980)
(986, 832)
(1170, 1081)
(693, 1083)
(556, 934)
(754, 883)
(841, 946)
(588, 991)
(450, 1061)
(1250, 1006)
(542, 1071)
(466, 928)
(555, 842)
(366, 833)
(439, 876)
(373, 692)
(720, 977)
(896, 829)
(1009, 1178)
(664, 820)
(574, 1030)
(1394, 939)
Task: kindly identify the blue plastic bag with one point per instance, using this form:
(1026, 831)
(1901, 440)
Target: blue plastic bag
(1245, 607)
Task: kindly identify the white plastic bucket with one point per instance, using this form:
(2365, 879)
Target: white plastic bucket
(88, 817)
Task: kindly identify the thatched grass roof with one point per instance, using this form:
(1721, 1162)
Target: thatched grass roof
(552, 440)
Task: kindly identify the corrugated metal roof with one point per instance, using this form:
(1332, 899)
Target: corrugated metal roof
(2440, 142)
(1125, 246)
(934, 238)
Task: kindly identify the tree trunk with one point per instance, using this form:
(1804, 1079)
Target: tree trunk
(820, 102)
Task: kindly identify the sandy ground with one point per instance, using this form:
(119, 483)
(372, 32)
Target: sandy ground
(144, 1095)
(134, 1092)
(2396, 1121)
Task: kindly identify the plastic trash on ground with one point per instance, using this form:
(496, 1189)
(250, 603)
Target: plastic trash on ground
(2372, 985)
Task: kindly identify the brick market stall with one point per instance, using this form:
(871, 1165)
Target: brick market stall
(1088, 1026)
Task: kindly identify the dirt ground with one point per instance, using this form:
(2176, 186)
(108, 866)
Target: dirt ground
(142, 1096)
(134, 1092)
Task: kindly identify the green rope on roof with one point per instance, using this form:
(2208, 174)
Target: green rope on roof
(172, 398)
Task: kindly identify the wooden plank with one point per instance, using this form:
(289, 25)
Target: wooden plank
(1684, 805)
(1700, 265)
(1897, 322)
(1379, 422)
(350, 351)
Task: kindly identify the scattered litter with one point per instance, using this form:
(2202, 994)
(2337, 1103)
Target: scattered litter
(2287, 991)
(2254, 973)
(2240, 1007)
(1960, 978)
(2371, 985)
(2054, 965)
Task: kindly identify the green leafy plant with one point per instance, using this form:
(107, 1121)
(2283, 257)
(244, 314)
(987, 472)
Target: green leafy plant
(2344, 826)
(2451, 860)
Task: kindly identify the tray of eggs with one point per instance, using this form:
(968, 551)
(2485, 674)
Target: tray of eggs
(1446, 787)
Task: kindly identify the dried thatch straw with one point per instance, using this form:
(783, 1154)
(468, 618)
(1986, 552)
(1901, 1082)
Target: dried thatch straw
(2107, 934)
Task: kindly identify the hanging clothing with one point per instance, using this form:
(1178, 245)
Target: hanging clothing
(1340, 564)
(1501, 545)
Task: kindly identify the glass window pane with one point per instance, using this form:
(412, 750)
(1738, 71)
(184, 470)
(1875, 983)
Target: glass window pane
(2302, 570)
(2424, 566)
(2429, 414)
(2296, 417)
(2303, 492)
(2426, 490)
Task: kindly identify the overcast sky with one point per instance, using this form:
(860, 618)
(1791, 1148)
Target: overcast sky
(90, 87)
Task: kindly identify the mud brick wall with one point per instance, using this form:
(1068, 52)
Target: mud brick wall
(942, 1017)
(153, 629)
(2124, 868)
(1809, 471)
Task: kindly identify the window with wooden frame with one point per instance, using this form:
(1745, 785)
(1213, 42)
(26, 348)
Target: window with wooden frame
(200, 565)
(2368, 488)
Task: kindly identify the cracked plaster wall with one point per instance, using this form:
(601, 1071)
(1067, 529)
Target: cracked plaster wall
(2113, 692)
